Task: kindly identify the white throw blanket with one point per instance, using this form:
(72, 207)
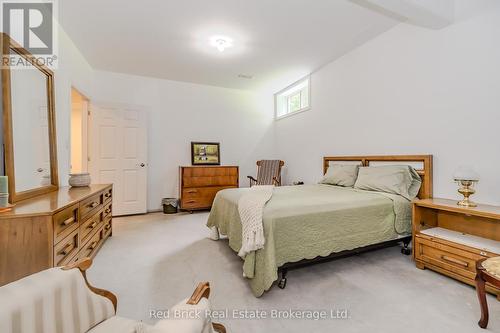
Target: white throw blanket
(251, 209)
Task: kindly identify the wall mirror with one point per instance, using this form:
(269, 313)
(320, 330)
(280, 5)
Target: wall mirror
(29, 137)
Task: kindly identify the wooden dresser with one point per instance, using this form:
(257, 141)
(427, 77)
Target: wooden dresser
(199, 184)
(450, 239)
(54, 229)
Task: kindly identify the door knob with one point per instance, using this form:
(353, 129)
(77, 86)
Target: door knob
(142, 165)
(39, 169)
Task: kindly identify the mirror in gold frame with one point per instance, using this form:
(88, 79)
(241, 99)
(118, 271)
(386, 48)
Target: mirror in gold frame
(29, 136)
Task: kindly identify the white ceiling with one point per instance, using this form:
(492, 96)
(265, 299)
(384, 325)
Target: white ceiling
(273, 39)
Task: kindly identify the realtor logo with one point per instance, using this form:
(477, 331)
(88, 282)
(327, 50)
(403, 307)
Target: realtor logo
(30, 24)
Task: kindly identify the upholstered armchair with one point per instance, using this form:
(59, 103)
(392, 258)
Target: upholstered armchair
(268, 173)
(62, 300)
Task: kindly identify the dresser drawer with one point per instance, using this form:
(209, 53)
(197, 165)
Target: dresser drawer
(202, 192)
(66, 249)
(88, 205)
(200, 197)
(108, 208)
(65, 222)
(201, 203)
(108, 195)
(90, 248)
(210, 171)
(452, 259)
(210, 181)
(88, 227)
(108, 227)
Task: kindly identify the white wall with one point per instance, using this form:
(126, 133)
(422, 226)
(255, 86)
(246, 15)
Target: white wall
(409, 91)
(73, 70)
(183, 112)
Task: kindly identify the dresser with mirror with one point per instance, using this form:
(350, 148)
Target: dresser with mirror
(43, 225)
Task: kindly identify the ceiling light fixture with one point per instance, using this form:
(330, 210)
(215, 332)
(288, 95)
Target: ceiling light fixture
(221, 42)
(245, 76)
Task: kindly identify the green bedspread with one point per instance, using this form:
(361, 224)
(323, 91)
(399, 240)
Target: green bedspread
(303, 222)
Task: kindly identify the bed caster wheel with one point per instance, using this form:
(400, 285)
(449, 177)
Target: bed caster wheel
(282, 284)
(406, 251)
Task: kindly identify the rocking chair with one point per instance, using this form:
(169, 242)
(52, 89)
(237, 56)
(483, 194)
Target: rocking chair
(268, 173)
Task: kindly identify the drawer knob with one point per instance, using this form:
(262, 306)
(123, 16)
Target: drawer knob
(107, 195)
(92, 226)
(107, 211)
(65, 250)
(192, 191)
(93, 204)
(68, 221)
(455, 261)
(108, 227)
(191, 201)
(93, 245)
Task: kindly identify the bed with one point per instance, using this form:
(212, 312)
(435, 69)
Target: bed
(314, 223)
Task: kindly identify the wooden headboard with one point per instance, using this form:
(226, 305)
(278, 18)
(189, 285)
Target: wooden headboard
(425, 171)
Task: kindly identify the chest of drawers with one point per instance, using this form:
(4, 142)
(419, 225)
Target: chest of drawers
(450, 239)
(54, 229)
(199, 184)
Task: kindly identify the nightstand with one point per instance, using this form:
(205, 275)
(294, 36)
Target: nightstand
(450, 239)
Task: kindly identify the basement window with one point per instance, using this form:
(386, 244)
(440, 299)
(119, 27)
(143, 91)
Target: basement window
(293, 99)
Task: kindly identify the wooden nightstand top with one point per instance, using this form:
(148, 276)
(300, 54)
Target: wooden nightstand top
(451, 206)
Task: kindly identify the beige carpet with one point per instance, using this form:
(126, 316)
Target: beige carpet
(155, 260)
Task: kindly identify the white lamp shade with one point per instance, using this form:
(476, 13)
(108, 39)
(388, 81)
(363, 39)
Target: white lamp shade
(466, 173)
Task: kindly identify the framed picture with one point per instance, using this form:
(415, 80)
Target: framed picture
(205, 153)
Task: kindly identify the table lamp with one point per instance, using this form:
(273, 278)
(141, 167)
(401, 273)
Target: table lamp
(466, 177)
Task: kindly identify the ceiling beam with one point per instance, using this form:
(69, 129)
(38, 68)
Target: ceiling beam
(433, 14)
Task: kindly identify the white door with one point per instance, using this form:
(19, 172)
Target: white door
(118, 154)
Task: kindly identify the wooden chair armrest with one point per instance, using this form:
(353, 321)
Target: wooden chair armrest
(203, 290)
(253, 181)
(219, 328)
(83, 265)
(479, 265)
(276, 181)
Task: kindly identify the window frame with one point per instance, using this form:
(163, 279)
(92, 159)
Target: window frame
(286, 98)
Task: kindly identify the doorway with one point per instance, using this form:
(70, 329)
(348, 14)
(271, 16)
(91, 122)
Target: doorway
(79, 131)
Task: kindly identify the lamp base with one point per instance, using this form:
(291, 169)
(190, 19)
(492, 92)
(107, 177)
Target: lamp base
(466, 190)
(466, 203)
